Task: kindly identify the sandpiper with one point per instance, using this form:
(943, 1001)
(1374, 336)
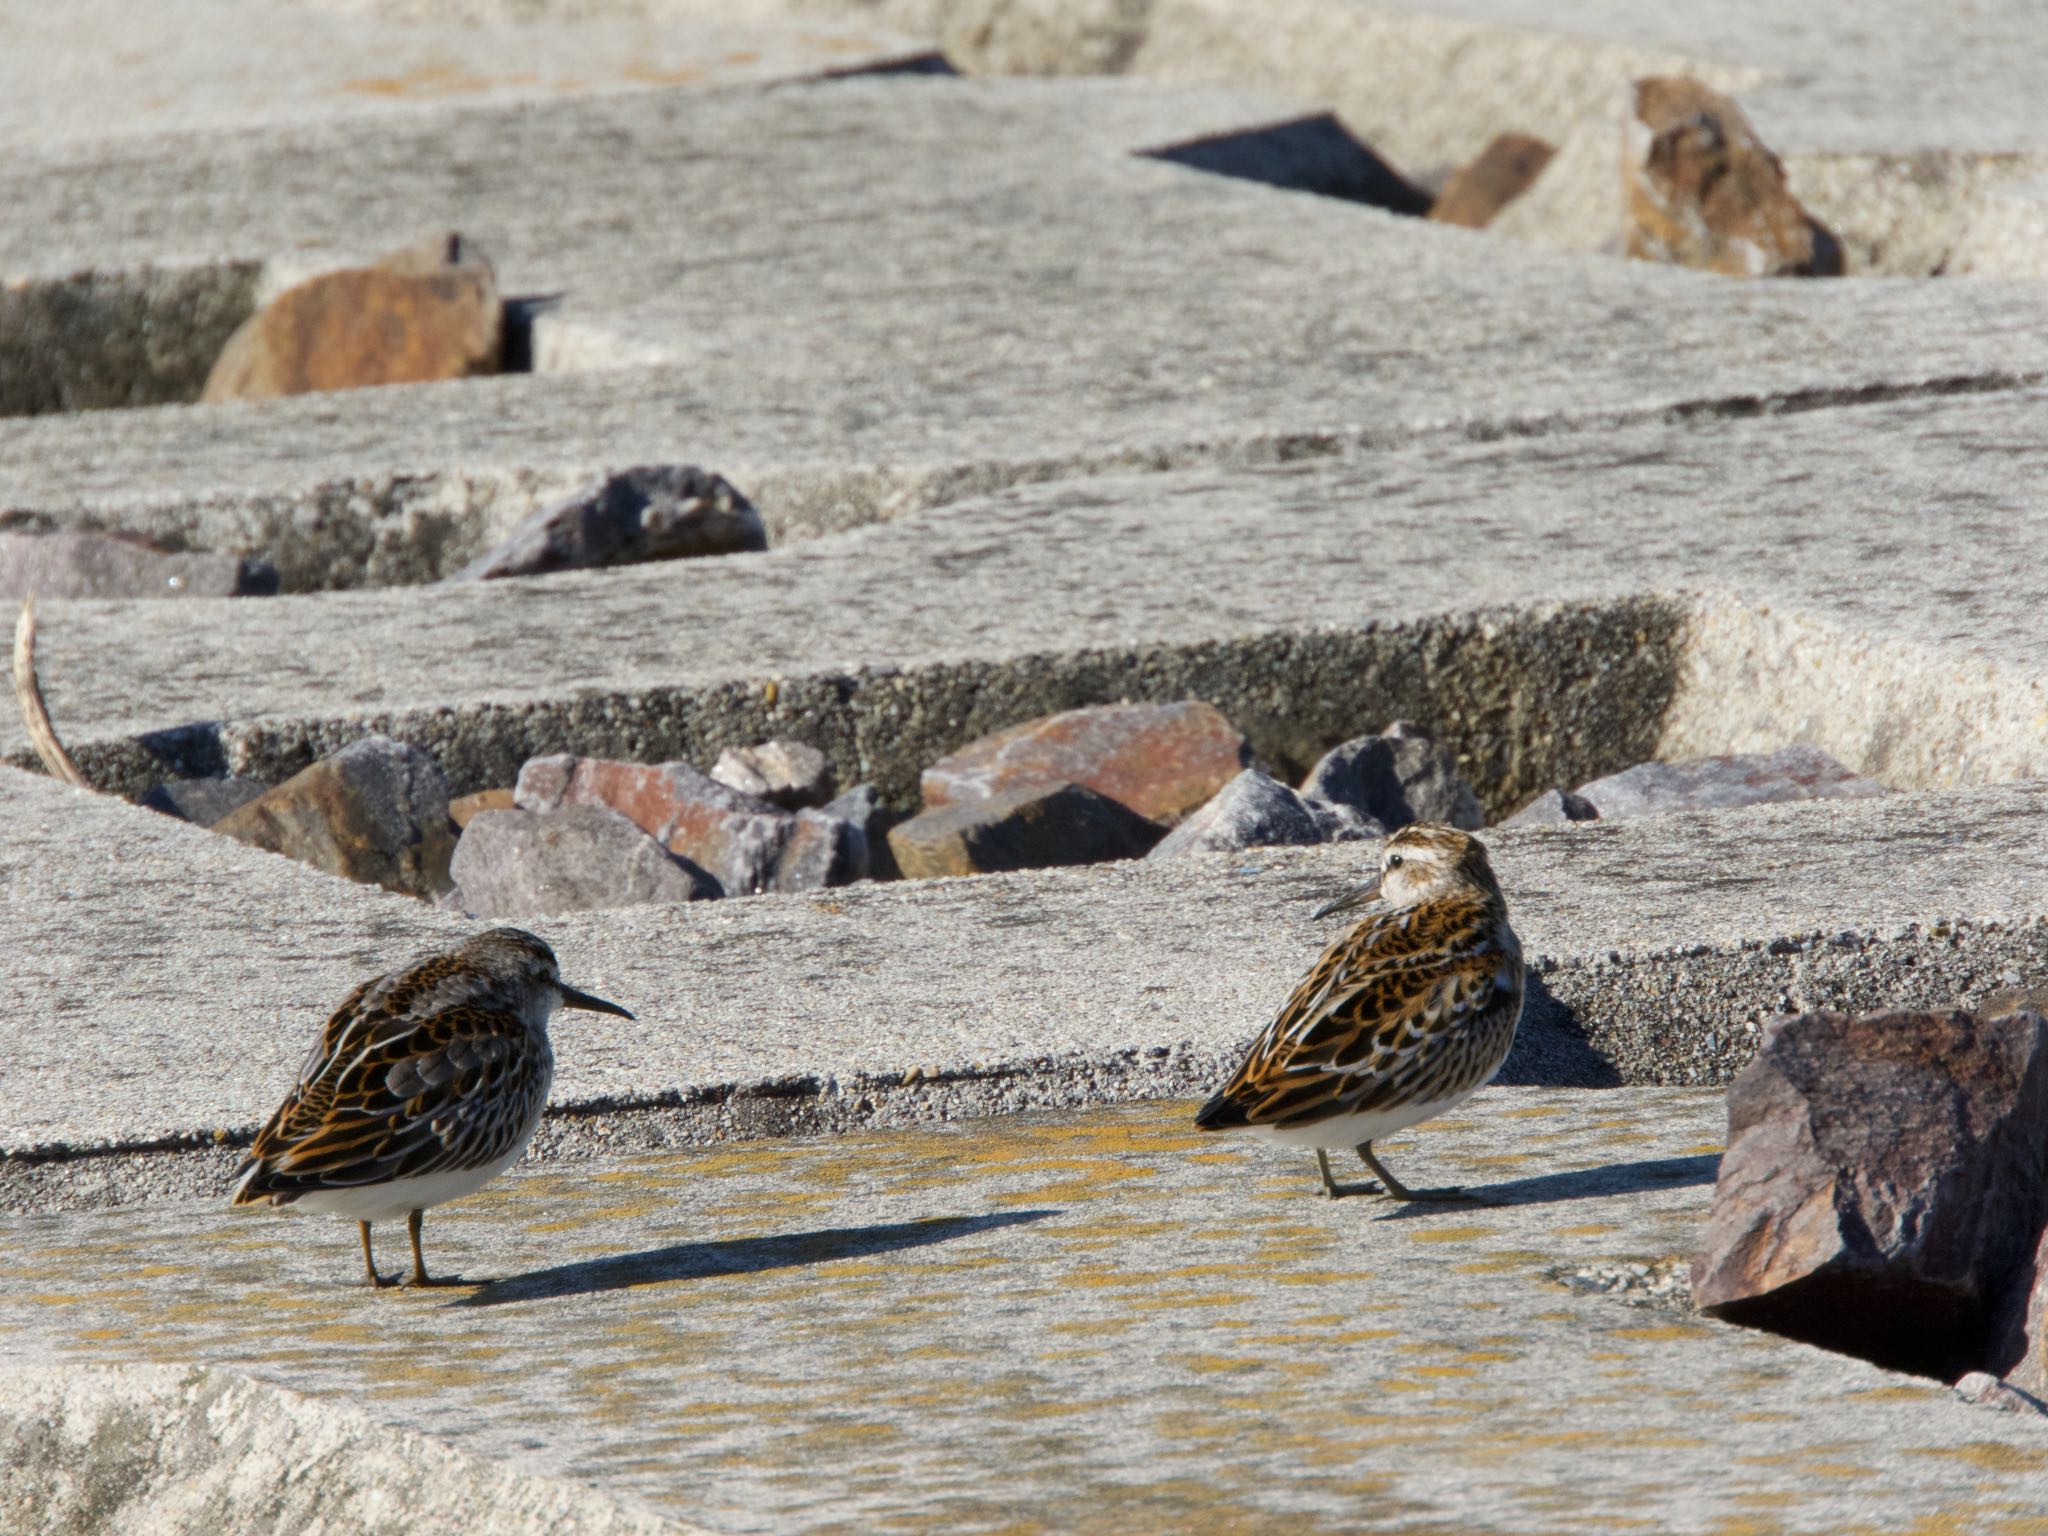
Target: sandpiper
(1408, 1014)
(424, 1086)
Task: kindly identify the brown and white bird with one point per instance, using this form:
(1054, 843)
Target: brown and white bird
(1408, 1014)
(424, 1086)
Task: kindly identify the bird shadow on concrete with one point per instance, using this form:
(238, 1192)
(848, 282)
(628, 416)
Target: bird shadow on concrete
(737, 1256)
(1643, 1176)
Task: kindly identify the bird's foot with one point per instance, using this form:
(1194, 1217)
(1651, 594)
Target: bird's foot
(435, 1282)
(377, 1282)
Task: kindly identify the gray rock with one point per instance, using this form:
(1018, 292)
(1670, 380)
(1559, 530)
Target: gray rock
(1253, 810)
(1987, 1391)
(1399, 776)
(785, 773)
(657, 512)
(1343, 823)
(821, 850)
(862, 806)
(1882, 1190)
(202, 801)
(1554, 808)
(519, 864)
(64, 564)
(376, 811)
(1744, 778)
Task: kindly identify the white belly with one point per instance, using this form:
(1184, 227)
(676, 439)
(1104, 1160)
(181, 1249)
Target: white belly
(1349, 1130)
(400, 1197)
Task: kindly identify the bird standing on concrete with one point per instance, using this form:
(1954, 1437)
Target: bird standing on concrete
(424, 1086)
(1408, 1014)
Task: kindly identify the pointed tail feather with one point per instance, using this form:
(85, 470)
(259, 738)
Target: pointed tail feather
(1220, 1114)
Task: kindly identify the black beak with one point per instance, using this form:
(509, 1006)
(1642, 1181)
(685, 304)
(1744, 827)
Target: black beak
(571, 998)
(1368, 892)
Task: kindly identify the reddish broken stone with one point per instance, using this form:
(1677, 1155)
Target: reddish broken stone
(744, 843)
(1704, 191)
(1032, 827)
(1160, 760)
(1882, 1188)
(1502, 172)
(430, 311)
(463, 808)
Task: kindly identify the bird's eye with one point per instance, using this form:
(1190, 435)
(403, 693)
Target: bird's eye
(1393, 861)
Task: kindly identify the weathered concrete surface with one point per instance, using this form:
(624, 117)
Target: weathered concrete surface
(1660, 948)
(99, 69)
(1209, 319)
(1922, 670)
(137, 1448)
(1899, 127)
(1141, 1326)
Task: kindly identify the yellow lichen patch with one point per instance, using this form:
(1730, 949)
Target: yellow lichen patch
(1588, 1229)
(1667, 1331)
(1449, 1234)
(1990, 1455)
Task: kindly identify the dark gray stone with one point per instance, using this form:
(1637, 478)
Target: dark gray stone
(520, 864)
(1253, 810)
(658, 512)
(785, 773)
(821, 850)
(862, 806)
(1034, 827)
(59, 563)
(1554, 808)
(1797, 772)
(202, 801)
(1395, 778)
(1882, 1191)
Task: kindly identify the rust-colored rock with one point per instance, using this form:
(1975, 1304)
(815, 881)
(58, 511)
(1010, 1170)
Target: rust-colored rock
(744, 843)
(1035, 826)
(424, 313)
(463, 807)
(1883, 1184)
(376, 812)
(1502, 172)
(1704, 191)
(1160, 760)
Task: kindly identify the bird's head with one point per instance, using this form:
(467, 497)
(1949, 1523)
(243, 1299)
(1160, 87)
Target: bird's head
(525, 960)
(1424, 861)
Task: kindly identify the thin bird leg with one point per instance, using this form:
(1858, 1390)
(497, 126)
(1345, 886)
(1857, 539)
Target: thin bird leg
(1401, 1191)
(1329, 1184)
(419, 1261)
(370, 1264)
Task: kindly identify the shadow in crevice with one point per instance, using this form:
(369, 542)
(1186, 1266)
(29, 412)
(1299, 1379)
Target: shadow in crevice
(1552, 1048)
(737, 1256)
(1310, 154)
(1643, 1176)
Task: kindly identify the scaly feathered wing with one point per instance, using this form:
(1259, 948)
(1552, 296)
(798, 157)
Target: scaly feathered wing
(1411, 1006)
(403, 1081)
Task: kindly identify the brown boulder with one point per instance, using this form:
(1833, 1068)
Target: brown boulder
(1503, 171)
(1033, 827)
(464, 807)
(375, 812)
(1704, 191)
(425, 313)
(1882, 1186)
(1160, 760)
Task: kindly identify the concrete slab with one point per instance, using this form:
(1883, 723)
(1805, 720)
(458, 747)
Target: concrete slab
(1023, 298)
(167, 981)
(104, 69)
(1833, 576)
(1106, 1322)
